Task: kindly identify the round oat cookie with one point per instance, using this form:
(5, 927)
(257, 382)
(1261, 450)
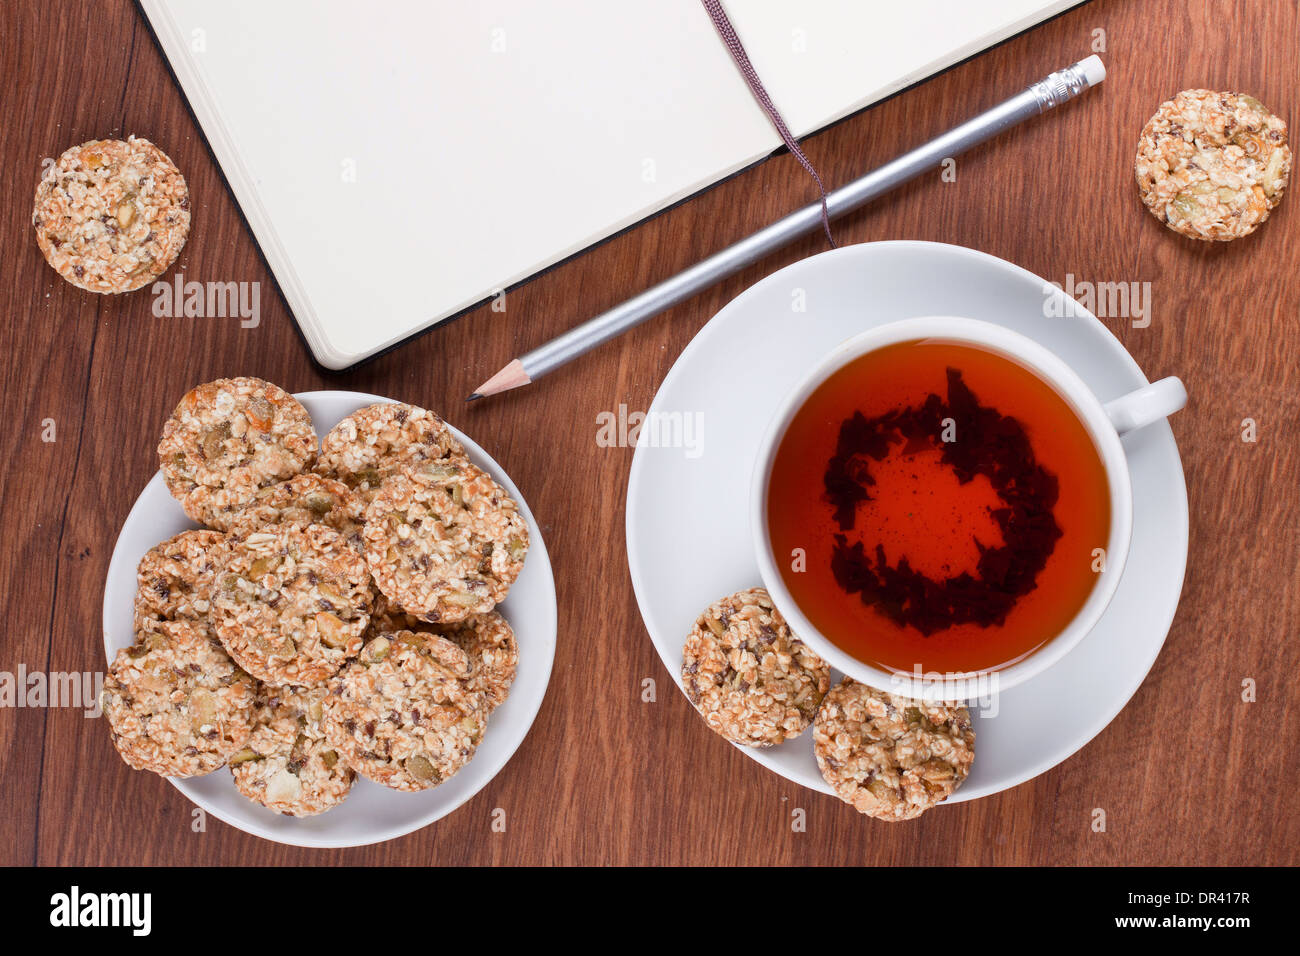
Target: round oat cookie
(1213, 165)
(888, 756)
(378, 440)
(444, 541)
(290, 603)
(229, 439)
(401, 715)
(487, 640)
(287, 765)
(174, 578)
(302, 500)
(112, 215)
(176, 703)
(387, 618)
(750, 678)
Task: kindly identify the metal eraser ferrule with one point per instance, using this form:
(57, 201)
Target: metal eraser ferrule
(1055, 88)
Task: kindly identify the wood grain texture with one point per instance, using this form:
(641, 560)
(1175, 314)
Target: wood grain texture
(1187, 774)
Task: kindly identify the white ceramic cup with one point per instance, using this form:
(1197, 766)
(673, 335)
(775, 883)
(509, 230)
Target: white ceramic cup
(1104, 423)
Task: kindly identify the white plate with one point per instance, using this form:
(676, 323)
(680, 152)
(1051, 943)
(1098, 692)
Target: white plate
(688, 534)
(372, 813)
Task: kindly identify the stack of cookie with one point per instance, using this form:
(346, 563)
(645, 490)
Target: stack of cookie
(756, 684)
(337, 614)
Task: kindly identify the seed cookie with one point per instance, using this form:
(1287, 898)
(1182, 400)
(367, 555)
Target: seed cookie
(112, 215)
(302, 500)
(287, 765)
(888, 756)
(176, 703)
(229, 439)
(174, 578)
(444, 541)
(378, 440)
(750, 678)
(290, 603)
(1213, 165)
(387, 618)
(487, 640)
(401, 716)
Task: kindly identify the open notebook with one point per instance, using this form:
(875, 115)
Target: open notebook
(401, 161)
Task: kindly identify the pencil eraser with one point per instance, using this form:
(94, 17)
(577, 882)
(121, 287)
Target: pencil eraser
(1094, 71)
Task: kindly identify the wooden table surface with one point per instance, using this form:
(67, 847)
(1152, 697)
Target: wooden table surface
(1188, 773)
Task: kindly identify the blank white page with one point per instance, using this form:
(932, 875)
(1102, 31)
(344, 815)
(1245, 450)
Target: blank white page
(401, 161)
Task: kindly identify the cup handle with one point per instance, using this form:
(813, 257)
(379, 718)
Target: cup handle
(1148, 404)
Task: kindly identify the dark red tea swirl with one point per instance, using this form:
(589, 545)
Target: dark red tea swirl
(986, 443)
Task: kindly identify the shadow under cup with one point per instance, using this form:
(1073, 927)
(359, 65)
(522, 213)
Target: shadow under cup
(938, 509)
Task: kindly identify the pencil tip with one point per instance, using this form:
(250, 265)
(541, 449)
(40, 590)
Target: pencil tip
(512, 376)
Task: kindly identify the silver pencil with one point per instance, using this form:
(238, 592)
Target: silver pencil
(1038, 98)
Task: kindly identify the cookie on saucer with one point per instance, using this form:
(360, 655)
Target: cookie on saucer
(888, 756)
(229, 439)
(302, 500)
(175, 702)
(490, 644)
(487, 640)
(378, 440)
(750, 678)
(174, 578)
(444, 541)
(401, 714)
(290, 603)
(287, 765)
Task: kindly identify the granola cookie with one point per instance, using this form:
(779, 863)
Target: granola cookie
(378, 440)
(1213, 165)
(174, 578)
(287, 765)
(176, 703)
(401, 714)
(888, 756)
(303, 500)
(290, 603)
(387, 618)
(229, 439)
(112, 215)
(487, 640)
(444, 541)
(750, 678)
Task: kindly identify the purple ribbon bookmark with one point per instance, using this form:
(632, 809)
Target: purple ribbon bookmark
(737, 50)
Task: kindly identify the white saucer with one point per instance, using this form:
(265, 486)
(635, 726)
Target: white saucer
(371, 813)
(688, 535)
